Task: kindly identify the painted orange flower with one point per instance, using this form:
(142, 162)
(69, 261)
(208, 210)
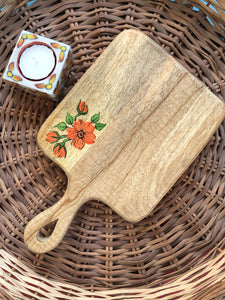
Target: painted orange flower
(81, 133)
(52, 137)
(76, 131)
(59, 151)
(82, 108)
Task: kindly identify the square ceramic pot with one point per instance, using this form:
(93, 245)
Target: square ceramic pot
(39, 65)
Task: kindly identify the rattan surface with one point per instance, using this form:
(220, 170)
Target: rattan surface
(101, 251)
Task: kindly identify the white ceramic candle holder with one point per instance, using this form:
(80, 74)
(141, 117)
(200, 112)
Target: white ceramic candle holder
(39, 65)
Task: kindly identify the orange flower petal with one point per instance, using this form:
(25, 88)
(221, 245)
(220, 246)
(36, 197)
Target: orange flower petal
(61, 56)
(78, 125)
(52, 78)
(17, 78)
(20, 43)
(51, 137)
(88, 127)
(89, 138)
(62, 152)
(56, 151)
(32, 37)
(69, 60)
(82, 107)
(59, 151)
(55, 45)
(40, 85)
(11, 66)
(81, 122)
(78, 143)
(80, 139)
(71, 133)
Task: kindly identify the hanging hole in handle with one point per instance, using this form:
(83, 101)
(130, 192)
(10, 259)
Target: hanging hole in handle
(45, 232)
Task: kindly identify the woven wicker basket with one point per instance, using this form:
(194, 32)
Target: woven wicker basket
(178, 251)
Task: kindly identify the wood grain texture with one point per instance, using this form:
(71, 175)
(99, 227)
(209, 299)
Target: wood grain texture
(158, 116)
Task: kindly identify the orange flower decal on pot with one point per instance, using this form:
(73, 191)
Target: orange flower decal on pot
(10, 73)
(77, 131)
(24, 37)
(62, 50)
(47, 86)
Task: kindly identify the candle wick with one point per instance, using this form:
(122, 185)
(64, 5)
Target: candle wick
(34, 58)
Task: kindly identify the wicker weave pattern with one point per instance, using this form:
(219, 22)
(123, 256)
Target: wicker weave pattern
(101, 251)
(191, 285)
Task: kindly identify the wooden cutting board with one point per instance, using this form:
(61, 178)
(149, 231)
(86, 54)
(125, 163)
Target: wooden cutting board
(125, 133)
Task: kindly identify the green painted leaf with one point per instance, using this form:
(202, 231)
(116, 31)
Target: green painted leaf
(61, 126)
(95, 118)
(69, 119)
(99, 126)
(56, 145)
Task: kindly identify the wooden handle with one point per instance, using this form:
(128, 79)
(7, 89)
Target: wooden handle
(63, 212)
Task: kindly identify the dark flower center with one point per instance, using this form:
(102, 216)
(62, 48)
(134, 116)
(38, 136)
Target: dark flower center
(80, 134)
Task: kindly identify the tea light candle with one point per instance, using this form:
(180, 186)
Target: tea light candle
(37, 61)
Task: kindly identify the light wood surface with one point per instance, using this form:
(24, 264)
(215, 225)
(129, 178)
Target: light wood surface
(158, 118)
